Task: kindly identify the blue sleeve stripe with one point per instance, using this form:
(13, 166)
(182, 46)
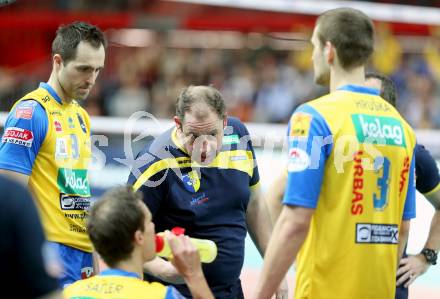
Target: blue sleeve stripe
(409, 210)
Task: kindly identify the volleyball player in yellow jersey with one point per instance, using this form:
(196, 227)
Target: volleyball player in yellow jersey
(46, 145)
(350, 177)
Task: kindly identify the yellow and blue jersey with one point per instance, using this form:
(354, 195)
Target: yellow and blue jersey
(49, 141)
(210, 202)
(351, 159)
(119, 284)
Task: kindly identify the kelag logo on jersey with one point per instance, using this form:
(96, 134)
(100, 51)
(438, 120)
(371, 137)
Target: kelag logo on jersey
(73, 181)
(371, 129)
(191, 181)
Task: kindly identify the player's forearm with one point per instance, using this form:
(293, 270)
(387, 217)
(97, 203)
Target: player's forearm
(288, 236)
(198, 286)
(259, 224)
(274, 197)
(163, 270)
(433, 241)
(403, 239)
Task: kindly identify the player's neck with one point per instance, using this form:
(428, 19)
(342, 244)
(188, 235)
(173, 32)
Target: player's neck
(340, 77)
(55, 84)
(132, 265)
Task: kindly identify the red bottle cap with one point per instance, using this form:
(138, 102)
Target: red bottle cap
(160, 243)
(178, 230)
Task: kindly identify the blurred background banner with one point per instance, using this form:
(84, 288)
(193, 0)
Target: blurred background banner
(256, 52)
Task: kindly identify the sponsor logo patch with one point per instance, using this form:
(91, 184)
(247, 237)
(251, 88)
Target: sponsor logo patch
(299, 160)
(86, 272)
(61, 149)
(74, 203)
(73, 181)
(71, 124)
(18, 136)
(371, 233)
(300, 124)
(198, 200)
(24, 112)
(238, 158)
(191, 181)
(25, 109)
(231, 139)
(380, 129)
(57, 125)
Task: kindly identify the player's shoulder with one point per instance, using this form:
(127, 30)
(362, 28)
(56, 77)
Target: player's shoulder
(236, 126)
(27, 111)
(424, 159)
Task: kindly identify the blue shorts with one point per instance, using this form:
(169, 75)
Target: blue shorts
(77, 264)
(401, 292)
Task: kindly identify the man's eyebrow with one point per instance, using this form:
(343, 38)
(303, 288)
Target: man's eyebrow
(214, 131)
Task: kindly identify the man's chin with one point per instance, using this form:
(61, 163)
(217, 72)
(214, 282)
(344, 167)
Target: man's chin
(81, 95)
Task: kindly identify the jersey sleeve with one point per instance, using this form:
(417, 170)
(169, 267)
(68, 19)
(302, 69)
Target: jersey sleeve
(147, 177)
(409, 210)
(173, 293)
(235, 126)
(25, 130)
(309, 139)
(255, 179)
(427, 173)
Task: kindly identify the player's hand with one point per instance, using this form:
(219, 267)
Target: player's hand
(186, 257)
(410, 268)
(283, 290)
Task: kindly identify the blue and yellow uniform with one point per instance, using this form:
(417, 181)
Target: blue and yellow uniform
(119, 284)
(210, 202)
(427, 183)
(49, 141)
(350, 159)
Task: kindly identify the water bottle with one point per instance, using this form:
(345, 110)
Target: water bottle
(207, 248)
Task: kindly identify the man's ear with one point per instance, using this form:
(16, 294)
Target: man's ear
(138, 237)
(177, 122)
(329, 52)
(57, 61)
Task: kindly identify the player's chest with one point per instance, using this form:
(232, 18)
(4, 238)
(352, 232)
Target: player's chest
(208, 189)
(69, 139)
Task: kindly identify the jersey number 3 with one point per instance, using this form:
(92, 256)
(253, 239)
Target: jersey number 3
(380, 199)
